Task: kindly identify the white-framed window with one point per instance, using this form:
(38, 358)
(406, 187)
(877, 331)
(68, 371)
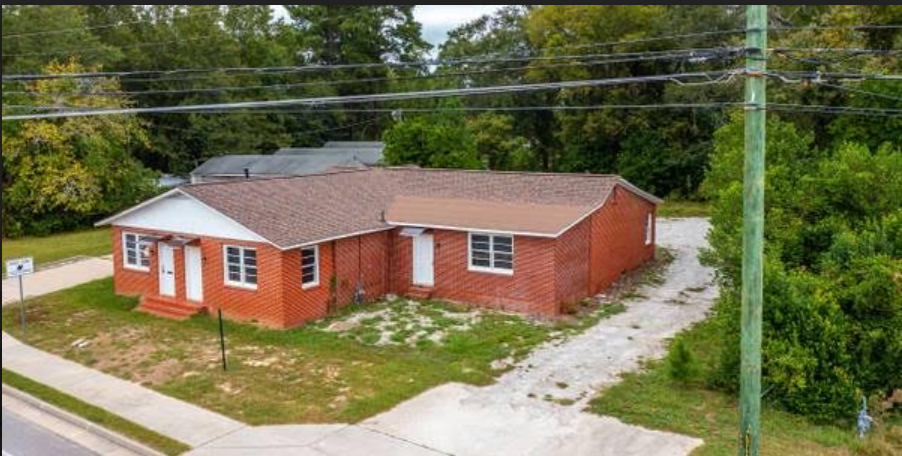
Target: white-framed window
(491, 253)
(310, 266)
(649, 227)
(240, 266)
(135, 253)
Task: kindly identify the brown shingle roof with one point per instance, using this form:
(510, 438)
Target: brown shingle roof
(302, 210)
(469, 214)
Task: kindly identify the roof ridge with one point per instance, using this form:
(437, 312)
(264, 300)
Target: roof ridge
(490, 171)
(257, 178)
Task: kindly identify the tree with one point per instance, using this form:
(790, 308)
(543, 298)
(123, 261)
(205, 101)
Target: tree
(61, 174)
(436, 141)
(832, 296)
(497, 144)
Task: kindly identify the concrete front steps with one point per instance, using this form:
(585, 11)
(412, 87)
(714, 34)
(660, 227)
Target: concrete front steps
(419, 292)
(169, 308)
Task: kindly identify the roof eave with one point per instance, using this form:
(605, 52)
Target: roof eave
(473, 229)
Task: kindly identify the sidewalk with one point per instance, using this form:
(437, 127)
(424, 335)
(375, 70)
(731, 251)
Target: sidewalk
(208, 432)
(181, 421)
(58, 277)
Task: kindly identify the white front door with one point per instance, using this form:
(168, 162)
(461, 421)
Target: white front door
(423, 255)
(167, 269)
(194, 277)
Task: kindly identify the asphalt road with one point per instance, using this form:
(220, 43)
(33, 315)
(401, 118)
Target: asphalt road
(24, 438)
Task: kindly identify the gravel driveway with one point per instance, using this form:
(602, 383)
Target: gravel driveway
(522, 414)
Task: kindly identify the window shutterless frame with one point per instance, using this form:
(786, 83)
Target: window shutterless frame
(310, 267)
(239, 266)
(134, 252)
(492, 253)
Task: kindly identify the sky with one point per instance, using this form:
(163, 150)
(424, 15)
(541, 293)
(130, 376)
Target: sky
(437, 20)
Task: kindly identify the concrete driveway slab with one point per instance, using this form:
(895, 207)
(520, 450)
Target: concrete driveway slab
(512, 416)
(358, 441)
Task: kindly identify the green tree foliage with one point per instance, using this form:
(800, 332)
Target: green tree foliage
(439, 141)
(833, 269)
(450, 140)
(60, 174)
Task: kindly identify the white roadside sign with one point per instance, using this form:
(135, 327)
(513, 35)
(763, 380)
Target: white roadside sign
(18, 267)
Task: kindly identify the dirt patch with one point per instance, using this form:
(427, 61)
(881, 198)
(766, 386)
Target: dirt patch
(405, 322)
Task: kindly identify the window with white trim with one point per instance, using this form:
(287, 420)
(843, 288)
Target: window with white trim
(492, 253)
(240, 266)
(310, 266)
(135, 253)
(649, 225)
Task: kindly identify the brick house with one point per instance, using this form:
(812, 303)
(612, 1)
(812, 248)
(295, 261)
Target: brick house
(285, 251)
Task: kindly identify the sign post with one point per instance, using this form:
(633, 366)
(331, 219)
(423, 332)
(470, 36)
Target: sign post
(222, 347)
(19, 268)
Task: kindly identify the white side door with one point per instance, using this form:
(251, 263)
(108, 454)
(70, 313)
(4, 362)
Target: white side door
(194, 276)
(423, 256)
(167, 269)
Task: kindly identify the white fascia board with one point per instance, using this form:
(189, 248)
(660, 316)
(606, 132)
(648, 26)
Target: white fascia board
(474, 229)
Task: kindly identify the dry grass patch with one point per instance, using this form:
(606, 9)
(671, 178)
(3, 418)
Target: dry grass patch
(308, 374)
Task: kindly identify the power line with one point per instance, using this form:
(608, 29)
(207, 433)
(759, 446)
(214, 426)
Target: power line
(853, 51)
(788, 75)
(691, 55)
(880, 112)
(699, 53)
(859, 91)
(707, 78)
(835, 27)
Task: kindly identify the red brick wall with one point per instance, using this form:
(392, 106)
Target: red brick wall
(339, 259)
(302, 305)
(262, 305)
(401, 267)
(530, 289)
(127, 281)
(572, 263)
(363, 258)
(618, 238)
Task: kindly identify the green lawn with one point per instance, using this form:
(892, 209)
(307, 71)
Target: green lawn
(684, 209)
(94, 414)
(302, 375)
(651, 399)
(58, 246)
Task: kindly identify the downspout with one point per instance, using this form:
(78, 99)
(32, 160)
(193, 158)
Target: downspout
(358, 294)
(333, 282)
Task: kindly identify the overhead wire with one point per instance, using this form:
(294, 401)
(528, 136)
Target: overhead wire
(694, 56)
(721, 77)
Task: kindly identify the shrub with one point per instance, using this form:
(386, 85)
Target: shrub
(832, 316)
(682, 367)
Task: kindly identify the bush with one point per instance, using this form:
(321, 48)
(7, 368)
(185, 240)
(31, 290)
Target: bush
(682, 366)
(832, 328)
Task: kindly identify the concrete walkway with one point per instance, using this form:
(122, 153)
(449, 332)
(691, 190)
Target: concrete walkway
(513, 417)
(58, 276)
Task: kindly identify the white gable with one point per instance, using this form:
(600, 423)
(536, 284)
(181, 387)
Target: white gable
(179, 213)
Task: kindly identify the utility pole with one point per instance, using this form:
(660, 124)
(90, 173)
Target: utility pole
(753, 230)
